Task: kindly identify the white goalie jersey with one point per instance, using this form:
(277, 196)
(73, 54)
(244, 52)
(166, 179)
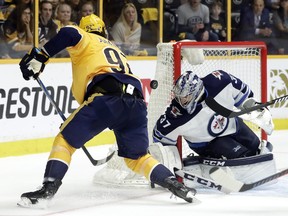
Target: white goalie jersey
(204, 124)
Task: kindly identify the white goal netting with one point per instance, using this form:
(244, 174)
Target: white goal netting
(245, 60)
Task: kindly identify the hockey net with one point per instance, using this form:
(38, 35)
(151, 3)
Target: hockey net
(245, 60)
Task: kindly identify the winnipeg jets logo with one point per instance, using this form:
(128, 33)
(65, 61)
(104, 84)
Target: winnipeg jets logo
(217, 74)
(217, 125)
(219, 122)
(175, 111)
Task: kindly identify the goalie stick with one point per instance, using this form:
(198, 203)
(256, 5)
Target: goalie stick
(200, 180)
(93, 161)
(219, 109)
(234, 185)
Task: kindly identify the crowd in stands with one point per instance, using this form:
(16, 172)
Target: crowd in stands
(16, 28)
(134, 25)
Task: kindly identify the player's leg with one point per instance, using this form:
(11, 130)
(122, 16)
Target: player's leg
(82, 125)
(132, 140)
(56, 167)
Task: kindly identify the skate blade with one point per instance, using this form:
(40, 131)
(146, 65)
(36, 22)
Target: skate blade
(26, 203)
(190, 197)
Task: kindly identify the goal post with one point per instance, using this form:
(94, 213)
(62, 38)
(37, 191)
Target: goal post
(245, 60)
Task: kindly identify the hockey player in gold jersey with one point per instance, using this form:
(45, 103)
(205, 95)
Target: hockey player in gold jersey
(109, 96)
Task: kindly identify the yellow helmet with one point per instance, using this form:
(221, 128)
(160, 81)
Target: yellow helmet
(93, 23)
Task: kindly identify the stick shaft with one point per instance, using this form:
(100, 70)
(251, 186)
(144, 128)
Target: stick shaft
(219, 109)
(93, 161)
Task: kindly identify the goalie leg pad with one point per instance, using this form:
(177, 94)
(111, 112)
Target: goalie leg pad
(246, 169)
(167, 155)
(265, 147)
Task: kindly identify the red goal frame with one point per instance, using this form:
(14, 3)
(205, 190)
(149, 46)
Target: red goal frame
(255, 44)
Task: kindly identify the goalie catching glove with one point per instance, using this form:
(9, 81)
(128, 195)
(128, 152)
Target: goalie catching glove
(262, 117)
(33, 63)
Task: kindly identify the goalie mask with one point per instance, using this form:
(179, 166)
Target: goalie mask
(187, 90)
(93, 24)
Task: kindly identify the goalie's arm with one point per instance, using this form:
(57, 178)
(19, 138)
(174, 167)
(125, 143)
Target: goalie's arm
(251, 110)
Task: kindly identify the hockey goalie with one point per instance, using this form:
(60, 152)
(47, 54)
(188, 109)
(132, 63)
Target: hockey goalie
(214, 139)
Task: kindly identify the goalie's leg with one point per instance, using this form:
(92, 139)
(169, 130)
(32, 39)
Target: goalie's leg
(243, 143)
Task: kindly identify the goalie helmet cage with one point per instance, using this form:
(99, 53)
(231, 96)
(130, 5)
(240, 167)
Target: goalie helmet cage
(245, 60)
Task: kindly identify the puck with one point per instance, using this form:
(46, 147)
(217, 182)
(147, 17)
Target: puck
(154, 84)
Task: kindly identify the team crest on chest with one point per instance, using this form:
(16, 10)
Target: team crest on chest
(217, 125)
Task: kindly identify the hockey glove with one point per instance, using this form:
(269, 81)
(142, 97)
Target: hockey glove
(262, 117)
(33, 63)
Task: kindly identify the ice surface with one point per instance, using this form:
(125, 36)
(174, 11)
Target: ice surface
(79, 196)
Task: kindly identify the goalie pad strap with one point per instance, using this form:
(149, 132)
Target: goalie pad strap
(193, 160)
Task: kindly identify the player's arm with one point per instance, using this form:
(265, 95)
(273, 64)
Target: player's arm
(33, 63)
(66, 37)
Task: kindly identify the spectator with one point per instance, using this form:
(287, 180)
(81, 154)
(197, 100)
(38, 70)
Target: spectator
(55, 4)
(217, 23)
(126, 32)
(86, 8)
(194, 23)
(18, 32)
(63, 18)
(272, 4)
(255, 25)
(63, 15)
(4, 52)
(280, 21)
(47, 26)
(75, 6)
(10, 5)
(6, 8)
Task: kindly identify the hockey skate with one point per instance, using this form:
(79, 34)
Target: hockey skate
(180, 190)
(45, 193)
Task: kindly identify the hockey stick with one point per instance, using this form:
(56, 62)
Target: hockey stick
(219, 109)
(93, 161)
(223, 178)
(200, 180)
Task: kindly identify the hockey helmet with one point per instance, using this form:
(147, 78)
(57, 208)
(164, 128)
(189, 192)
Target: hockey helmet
(92, 23)
(187, 90)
